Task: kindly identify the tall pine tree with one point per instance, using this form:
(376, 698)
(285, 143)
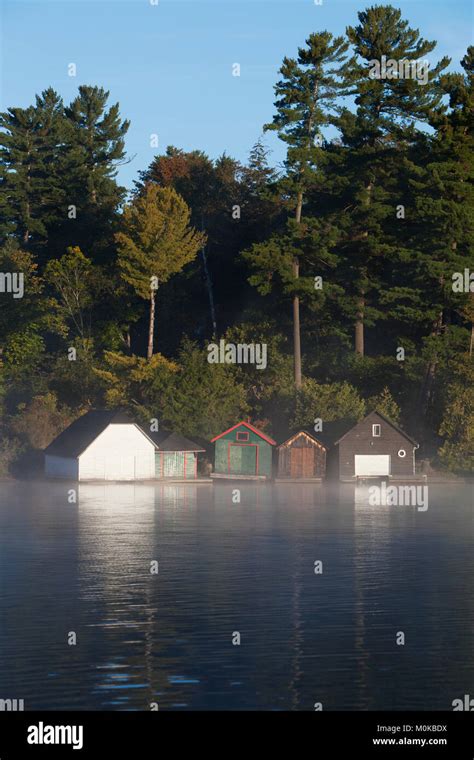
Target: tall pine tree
(306, 96)
(390, 105)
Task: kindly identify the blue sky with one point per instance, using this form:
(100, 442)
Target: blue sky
(170, 65)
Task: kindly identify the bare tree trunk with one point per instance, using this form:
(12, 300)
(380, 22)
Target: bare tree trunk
(296, 306)
(209, 291)
(359, 327)
(296, 330)
(151, 329)
(359, 338)
(426, 394)
(126, 340)
(26, 234)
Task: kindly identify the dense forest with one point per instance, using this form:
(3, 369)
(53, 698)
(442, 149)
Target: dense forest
(351, 262)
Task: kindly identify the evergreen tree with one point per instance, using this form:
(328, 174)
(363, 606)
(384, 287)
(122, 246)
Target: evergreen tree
(306, 96)
(95, 140)
(440, 231)
(205, 398)
(389, 107)
(19, 159)
(33, 178)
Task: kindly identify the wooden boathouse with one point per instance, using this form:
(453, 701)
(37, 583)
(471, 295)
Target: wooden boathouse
(243, 452)
(301, 457)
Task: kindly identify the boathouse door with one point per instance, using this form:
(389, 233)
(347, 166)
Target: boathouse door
(242, 459)
(302, 462)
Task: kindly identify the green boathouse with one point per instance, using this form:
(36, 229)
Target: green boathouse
(242, 451)
(175, 456)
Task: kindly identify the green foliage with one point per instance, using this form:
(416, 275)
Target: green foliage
(156, 239)
(10, 451)
(40, 421)
(269, 391)
(23, 353)
(306, 96)
(386, 404)
(205, 398)
(65, 371)
(133, 382)
(28, 313)
(329, 402)
(55, 159)
(457, 452)
(76, 284)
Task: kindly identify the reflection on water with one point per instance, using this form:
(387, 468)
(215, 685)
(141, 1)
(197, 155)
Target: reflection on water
(224, 567)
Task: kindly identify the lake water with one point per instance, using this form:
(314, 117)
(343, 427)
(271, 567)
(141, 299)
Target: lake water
(229, 567)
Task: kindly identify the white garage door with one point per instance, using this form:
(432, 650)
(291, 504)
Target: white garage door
(368, 465)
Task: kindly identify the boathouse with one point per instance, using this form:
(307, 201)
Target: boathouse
(101, 445)
(175, 456)
(373, 448)
(301, 457)
(242, 451)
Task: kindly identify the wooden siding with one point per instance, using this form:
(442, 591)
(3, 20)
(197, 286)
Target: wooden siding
(175, 464)
(301, 457)
(237, 457)
(360, 440)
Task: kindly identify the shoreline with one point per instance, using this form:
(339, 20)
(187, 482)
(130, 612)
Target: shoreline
(435, 479)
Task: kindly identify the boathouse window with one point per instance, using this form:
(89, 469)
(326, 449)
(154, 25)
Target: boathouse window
(402, 453)
(376, 431)
(242, 436)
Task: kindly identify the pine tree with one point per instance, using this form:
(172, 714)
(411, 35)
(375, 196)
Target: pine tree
(306, 96)
(52, 177)
(155, 242)
(33, 177)
(19, 160)
(441, 231)
(95, 140)
(374, 141)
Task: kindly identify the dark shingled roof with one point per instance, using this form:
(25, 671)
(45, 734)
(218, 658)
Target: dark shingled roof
(81, 433)
(328, 435)
(334, 430)
(166, 441)
(376, 413)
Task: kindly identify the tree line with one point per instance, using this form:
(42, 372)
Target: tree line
(343, 261)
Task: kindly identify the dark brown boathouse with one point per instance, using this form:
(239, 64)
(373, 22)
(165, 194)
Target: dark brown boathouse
(374, 448)
(301, 457)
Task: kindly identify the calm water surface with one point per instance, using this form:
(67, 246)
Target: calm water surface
(226, 568)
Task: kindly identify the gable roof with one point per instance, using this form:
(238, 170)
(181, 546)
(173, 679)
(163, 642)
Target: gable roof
(334, 430)
(385, 419)
(166, 441)
(303, 431)
(73, 441)
(250, 427)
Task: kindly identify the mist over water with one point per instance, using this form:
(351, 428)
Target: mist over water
(223, 568)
